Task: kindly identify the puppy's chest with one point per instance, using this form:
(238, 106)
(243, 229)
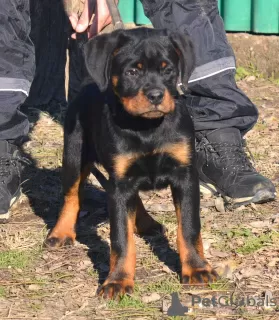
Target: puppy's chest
(155, 168)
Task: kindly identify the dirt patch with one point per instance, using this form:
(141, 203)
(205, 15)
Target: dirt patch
(242, 244)
(259, 52)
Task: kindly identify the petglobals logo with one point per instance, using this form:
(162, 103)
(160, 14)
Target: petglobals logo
(231, 301)
(178, 309)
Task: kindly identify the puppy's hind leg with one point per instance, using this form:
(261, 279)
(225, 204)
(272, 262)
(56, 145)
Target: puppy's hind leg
(75, 170)
(145, 224)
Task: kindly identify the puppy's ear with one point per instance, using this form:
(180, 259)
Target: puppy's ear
(185, 50)
(98, 54)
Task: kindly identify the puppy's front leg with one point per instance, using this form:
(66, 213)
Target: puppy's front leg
(185, 190)
(122, 213)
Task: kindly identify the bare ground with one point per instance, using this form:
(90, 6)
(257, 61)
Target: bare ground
(243, 244)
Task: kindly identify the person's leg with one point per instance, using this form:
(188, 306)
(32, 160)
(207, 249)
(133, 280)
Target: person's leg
(221, 112)
(49, 33)
(77, 68)
(17, 62)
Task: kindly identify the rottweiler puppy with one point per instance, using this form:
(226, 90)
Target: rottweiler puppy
(131, 120)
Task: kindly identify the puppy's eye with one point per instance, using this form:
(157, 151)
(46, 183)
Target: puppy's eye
(132, 72)
(168, 71)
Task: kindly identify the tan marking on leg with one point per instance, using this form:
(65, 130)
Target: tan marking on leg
(113, 261)
(129, 263)
(199, 246)
(126, 264)
(195, 275)
(68, 216)
(122, 269)
(182, 246)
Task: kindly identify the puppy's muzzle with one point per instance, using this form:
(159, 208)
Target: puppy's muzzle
(155, 96)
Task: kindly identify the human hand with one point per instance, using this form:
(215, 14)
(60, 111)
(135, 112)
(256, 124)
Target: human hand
(101, 18)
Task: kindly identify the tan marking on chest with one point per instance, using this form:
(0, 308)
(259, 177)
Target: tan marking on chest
(180, 151)
(122, 162)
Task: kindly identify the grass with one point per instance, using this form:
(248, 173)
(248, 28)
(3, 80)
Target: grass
(93, 273)
(221, 284)
(149, 260)
(251, 70)
(242, 232)
(3, 292)
(254, 243)
(251, 242)
(35, 306)
(20, 259)
(126, 302)
(166, 286)
(15, 259)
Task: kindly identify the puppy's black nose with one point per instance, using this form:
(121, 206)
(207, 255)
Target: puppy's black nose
(155, 96)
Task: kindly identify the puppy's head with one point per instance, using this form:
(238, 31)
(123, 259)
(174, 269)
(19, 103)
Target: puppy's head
(143, 66)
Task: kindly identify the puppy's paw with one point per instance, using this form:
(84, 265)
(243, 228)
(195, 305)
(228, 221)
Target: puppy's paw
(199, 276)
(112, 289)
(60, 239)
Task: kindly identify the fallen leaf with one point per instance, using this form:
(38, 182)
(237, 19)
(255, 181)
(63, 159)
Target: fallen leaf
(249, 272)
(217, 253)
(34, 287)
(275, 219)
(250, 78)
(259, 224)
(241, 208)
(151, 298)
(165, 306)
(166, 269)
(219, 204)
(226, 268)
(273, 262)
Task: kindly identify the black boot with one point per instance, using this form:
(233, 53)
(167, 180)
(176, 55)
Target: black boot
(10, 178)
(224, 168)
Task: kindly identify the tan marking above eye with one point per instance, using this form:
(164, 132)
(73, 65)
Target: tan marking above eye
(163, 64)
(180, 151)
(139, 65)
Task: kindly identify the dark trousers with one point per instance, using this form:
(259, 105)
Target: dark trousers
(17, 66)
(215, 100)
